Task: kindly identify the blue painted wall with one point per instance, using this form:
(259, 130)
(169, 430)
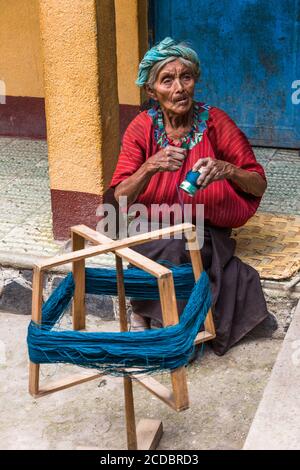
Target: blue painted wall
(250, 59)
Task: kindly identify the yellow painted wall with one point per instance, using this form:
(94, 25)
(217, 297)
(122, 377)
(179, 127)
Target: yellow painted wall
(127, 27)
(21, 51)
(20, 48)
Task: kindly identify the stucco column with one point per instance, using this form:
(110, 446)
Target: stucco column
(82, 112)
(132, 43)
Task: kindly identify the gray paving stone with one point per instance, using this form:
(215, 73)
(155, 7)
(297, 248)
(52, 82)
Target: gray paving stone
(36, 190)
(24, 167)
(56, 281)
(286, 155)
(4, 141)
(5, 228)
(24, 155)
(26, 274)
(29, 145)
(14, 211)
(283, 192)
(263, 153)
(16, 298)
(100, 306)
(35, 237)
(5, 180)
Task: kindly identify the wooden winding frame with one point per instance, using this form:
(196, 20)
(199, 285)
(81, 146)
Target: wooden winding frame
(147, 433)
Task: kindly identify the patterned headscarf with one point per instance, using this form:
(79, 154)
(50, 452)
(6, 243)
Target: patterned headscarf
(168, 47)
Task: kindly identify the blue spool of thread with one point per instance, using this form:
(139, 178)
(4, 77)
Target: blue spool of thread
(189, 185)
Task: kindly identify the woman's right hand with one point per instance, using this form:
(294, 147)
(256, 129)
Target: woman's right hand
(170, 158)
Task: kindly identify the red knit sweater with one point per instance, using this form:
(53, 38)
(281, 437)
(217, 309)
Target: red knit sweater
(225, 205)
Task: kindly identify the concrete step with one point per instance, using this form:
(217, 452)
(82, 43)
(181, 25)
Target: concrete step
(276, 425)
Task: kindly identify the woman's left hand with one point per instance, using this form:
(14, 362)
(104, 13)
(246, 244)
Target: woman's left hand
(212, 170)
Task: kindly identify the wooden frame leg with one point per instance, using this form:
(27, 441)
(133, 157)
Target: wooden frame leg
(78, 268)
(128, 392)
(191, 236)
(36, 316)
(147, 434)
(130, 415)
(170, 317)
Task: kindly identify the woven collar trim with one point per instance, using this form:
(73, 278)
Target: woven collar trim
(201, 115)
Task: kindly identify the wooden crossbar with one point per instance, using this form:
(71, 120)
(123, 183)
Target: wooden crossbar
(67, 382)
(112, 246)
(177, 399)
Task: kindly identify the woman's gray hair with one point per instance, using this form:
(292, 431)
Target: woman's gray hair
(154, 72)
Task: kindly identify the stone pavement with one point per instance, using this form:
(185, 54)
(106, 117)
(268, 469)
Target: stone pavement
(25, 210)
(283, 173)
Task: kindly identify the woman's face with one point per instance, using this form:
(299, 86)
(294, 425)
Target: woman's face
(174, 88)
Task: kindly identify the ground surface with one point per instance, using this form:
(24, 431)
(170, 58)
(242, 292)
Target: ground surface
(224, 395)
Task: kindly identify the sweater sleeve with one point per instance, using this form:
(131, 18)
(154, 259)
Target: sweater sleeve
(230, 143)
(133, 151)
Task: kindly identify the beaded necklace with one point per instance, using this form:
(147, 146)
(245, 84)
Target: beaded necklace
(200, 116)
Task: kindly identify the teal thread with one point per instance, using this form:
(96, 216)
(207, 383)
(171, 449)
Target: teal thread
(147, 351)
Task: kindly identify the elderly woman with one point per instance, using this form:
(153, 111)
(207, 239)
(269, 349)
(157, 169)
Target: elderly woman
(159, 147)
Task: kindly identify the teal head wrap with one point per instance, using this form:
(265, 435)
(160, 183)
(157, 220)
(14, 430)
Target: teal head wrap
(168, 47)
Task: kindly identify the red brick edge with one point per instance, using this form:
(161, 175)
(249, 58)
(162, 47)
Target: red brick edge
(72, 208)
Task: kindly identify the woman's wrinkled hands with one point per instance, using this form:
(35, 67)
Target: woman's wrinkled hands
(169, 158)
(212, 170)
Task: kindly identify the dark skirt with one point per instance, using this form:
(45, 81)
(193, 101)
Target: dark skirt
(238, 302)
